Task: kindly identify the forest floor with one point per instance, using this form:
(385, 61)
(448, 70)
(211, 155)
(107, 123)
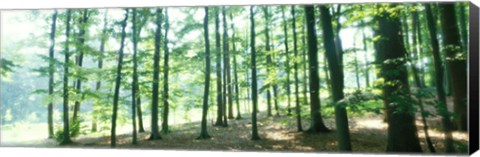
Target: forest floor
(278, 134)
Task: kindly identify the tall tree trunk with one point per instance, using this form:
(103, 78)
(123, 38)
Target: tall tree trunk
(456, 61)
(317, 124)
(417, 81)
(269, 57)
(165, 79)
(218, 68)
(227, 65)
(439, 78)
(51, 71)
(117, 82)
(463, 25)
(355, 62)
(254, 76)
(139, 113)
(66, 126)
(203, 130)
(81, 48)
(235, 72)
(295, 66)
(336, 73)
(402, 132)
(305, 62)
(155, 135)
(135, 76)
(287, 66)
(103, 40)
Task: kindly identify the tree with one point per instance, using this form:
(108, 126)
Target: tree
(66, 126)
(439, 78)
(269, 58)
(235, 71)
(117, 81)
(336, 73)
(456, 62)
(103, 40)
(155, 135)
(51, 73)
(227, 74)
(254, 76)
(317, 124)
(295, 66)
(219, 121)
(81, 47)
(287, 64)
(203, 130)
(402, 132)
(165, 78)
(134, 75)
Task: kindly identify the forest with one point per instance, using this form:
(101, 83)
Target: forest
(367, 77)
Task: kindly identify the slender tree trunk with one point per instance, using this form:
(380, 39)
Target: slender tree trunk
(235, 72)
(135, 76)
(365, 49)
(305, 62)
(456, 61)
(100, 66)
(81, 49)
(418, 83)
(203, 130)
(336, 72)
(269, 58)
(463, 25)
(219, 121)
(51, 71)
(227, 65)
(439, 78)
(165, 79)
(66, 126)
(255, 135)
(317, 124)
(287, 66)
(402, 132)
(139, 113)
(295, 66)
(155, 135)
(117, 82)
(355, 62)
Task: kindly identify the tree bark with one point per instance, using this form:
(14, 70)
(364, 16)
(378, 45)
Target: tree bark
(81, 48)
(117, 82)
(269, 58)
(317, 124)
(456, 61)
(254, 76)
(51, 71)
(155, 135)
(66, 126)
(287, 64)
(402, 132)
(439, 78)
(135, 76)
(165, 79)
(219, 121)
(295, 66)
(203, 131)
(235, 72)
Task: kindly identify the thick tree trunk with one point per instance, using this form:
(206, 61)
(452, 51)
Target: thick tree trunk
(165, 79)
(253, 61)
(203, 130)
(66, 126)
(402, 132)
(51, 73)
(439, 78)
(456, 61)
(317, 124)
(155, 135)
(219, 121)
(295, 66)
(117, 82)
(139, 114)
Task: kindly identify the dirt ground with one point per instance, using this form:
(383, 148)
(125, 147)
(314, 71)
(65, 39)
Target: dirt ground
(278, 134)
